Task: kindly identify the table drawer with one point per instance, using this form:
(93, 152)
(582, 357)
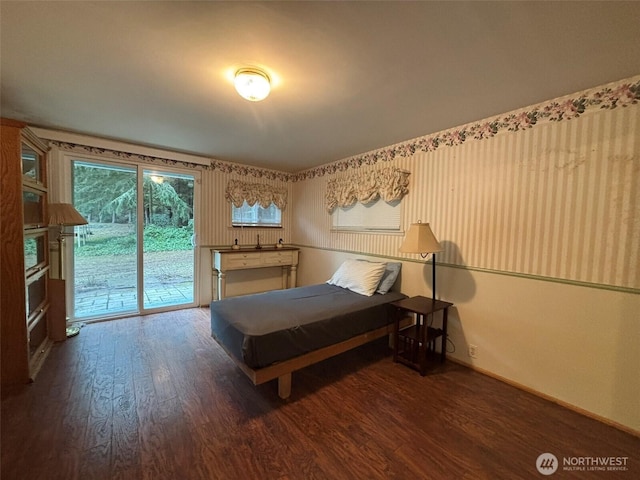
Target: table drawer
(241, 260)
(278, 258)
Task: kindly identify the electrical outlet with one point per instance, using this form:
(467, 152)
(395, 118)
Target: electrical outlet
(473, 351)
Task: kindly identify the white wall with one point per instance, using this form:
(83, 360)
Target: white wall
(217, 233)
(541, 229)
(576, 344)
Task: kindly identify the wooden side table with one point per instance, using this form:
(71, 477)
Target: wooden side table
(410, 345)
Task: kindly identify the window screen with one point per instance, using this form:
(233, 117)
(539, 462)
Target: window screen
(256, 216)
(378, 216)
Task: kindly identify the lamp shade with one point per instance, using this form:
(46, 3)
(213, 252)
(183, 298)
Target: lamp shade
(64, 214)
(420, 239)
(252, 84)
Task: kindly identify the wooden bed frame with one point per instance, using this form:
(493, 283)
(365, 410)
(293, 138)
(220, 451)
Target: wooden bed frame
(283, 370)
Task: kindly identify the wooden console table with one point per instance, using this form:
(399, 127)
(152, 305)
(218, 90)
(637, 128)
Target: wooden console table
(249, 258)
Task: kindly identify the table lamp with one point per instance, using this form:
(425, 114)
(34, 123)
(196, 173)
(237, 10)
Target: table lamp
(420, 239)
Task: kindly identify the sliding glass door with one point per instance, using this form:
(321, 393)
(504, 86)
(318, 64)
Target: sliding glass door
(136, 254)
(168, 250)
(105, 252)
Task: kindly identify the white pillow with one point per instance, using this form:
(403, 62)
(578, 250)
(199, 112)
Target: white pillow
(359, 277)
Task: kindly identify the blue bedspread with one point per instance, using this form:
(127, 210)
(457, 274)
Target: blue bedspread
(274, 326)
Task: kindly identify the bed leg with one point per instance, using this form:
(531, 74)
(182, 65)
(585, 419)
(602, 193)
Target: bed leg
(284, 386)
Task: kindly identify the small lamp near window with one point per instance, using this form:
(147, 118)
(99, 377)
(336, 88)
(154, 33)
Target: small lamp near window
(420, 239)
(64, 215)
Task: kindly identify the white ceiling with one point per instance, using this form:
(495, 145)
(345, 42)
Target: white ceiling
(349, 77)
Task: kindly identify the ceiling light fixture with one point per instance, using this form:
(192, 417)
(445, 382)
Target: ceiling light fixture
(252, 84)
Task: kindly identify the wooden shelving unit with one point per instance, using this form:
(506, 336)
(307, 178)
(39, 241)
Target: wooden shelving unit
(25, 320)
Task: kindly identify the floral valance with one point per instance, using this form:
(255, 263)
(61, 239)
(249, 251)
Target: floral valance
(238, 191)
(389, 184)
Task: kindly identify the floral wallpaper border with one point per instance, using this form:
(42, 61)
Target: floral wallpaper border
(223, 167)
(617, 94)
(610, 96)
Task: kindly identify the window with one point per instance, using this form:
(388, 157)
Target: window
(256, 216)
(378, 216)
(246, 204)
(368, 200)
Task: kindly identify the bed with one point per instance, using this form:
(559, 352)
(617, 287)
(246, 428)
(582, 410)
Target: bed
(270, 335)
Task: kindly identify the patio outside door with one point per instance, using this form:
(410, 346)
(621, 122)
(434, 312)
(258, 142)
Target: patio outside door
(168, 247)
(136, 254)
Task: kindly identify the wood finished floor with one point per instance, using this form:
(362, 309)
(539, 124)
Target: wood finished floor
(155, 397)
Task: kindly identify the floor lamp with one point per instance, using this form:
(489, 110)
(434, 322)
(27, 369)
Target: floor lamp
(420, 239)
(64, 215)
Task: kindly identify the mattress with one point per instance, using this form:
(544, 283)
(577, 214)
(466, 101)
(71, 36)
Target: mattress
(270, 327)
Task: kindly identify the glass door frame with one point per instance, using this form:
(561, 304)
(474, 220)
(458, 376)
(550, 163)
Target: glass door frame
(67, 174)
(160, 170)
